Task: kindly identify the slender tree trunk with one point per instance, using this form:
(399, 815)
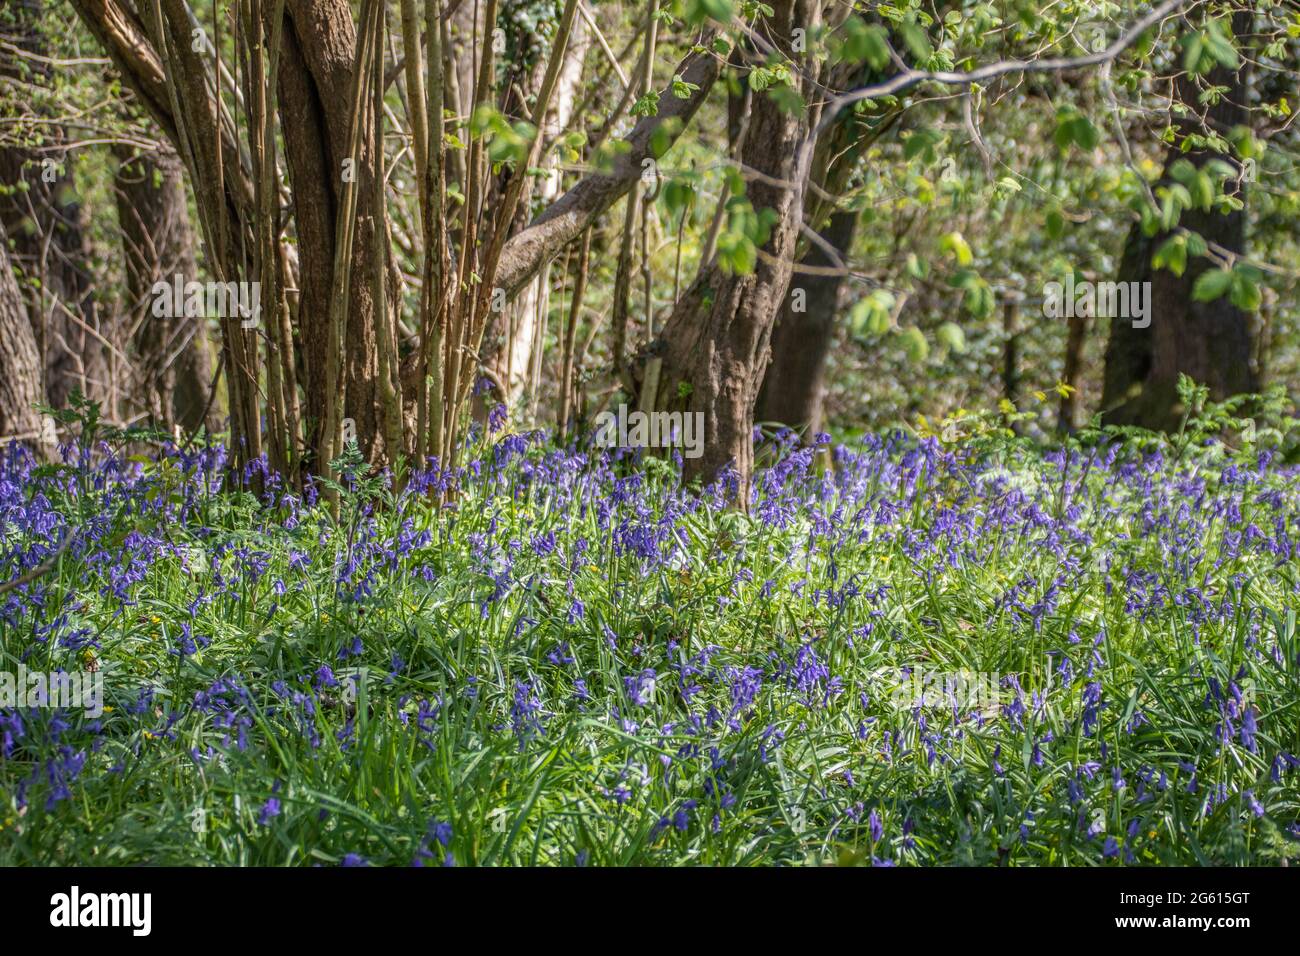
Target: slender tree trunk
(516, 339)
(1010, 351)
(1067, 420)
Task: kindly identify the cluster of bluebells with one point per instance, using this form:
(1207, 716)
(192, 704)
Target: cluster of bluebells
(697, 669)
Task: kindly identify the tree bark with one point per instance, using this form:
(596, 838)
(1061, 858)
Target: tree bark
(314, 82)
(1213, 342)
(716, 344)
(175, 353)
(1067, 419)
(794, 386)
(20, 368)
(45, 220)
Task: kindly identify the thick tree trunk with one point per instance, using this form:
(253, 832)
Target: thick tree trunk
(315, 78)
(45, 220)
(794, 387)
(715, 346)
(20, 368)
(1213, 342)
(175, 370)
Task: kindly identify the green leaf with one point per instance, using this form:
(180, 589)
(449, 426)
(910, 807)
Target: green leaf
(647, 105)
(1211, 284)
(697, 11)
(954, 243)
(914, 344)
(1245, 292)
(1055, 223)
(1085, 134)
(1171, 255)
(921, 142)
(916, 41)
(683, 89)
(1218, 43)
(864, 43)
(1193, 50)
(951, 337)
(871, 315)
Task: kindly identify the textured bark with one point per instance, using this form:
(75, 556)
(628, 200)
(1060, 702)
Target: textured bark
(1010, 351)
(20, 372)
(1213, 342)
(314, 79)
(314, 85)
(45, 220)
(715, 346)
(175, 354)
(319, 43)
(794, 387)
(1067, 419)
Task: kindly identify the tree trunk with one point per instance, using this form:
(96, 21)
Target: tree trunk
(315, 77)
(1213, 342)
(519, 329)
(793, 388)
(175, 371)
(44, 218)
(1067, 419)
(715, 346)
(20, 368)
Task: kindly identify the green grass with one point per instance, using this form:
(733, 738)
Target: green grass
(497, 714)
